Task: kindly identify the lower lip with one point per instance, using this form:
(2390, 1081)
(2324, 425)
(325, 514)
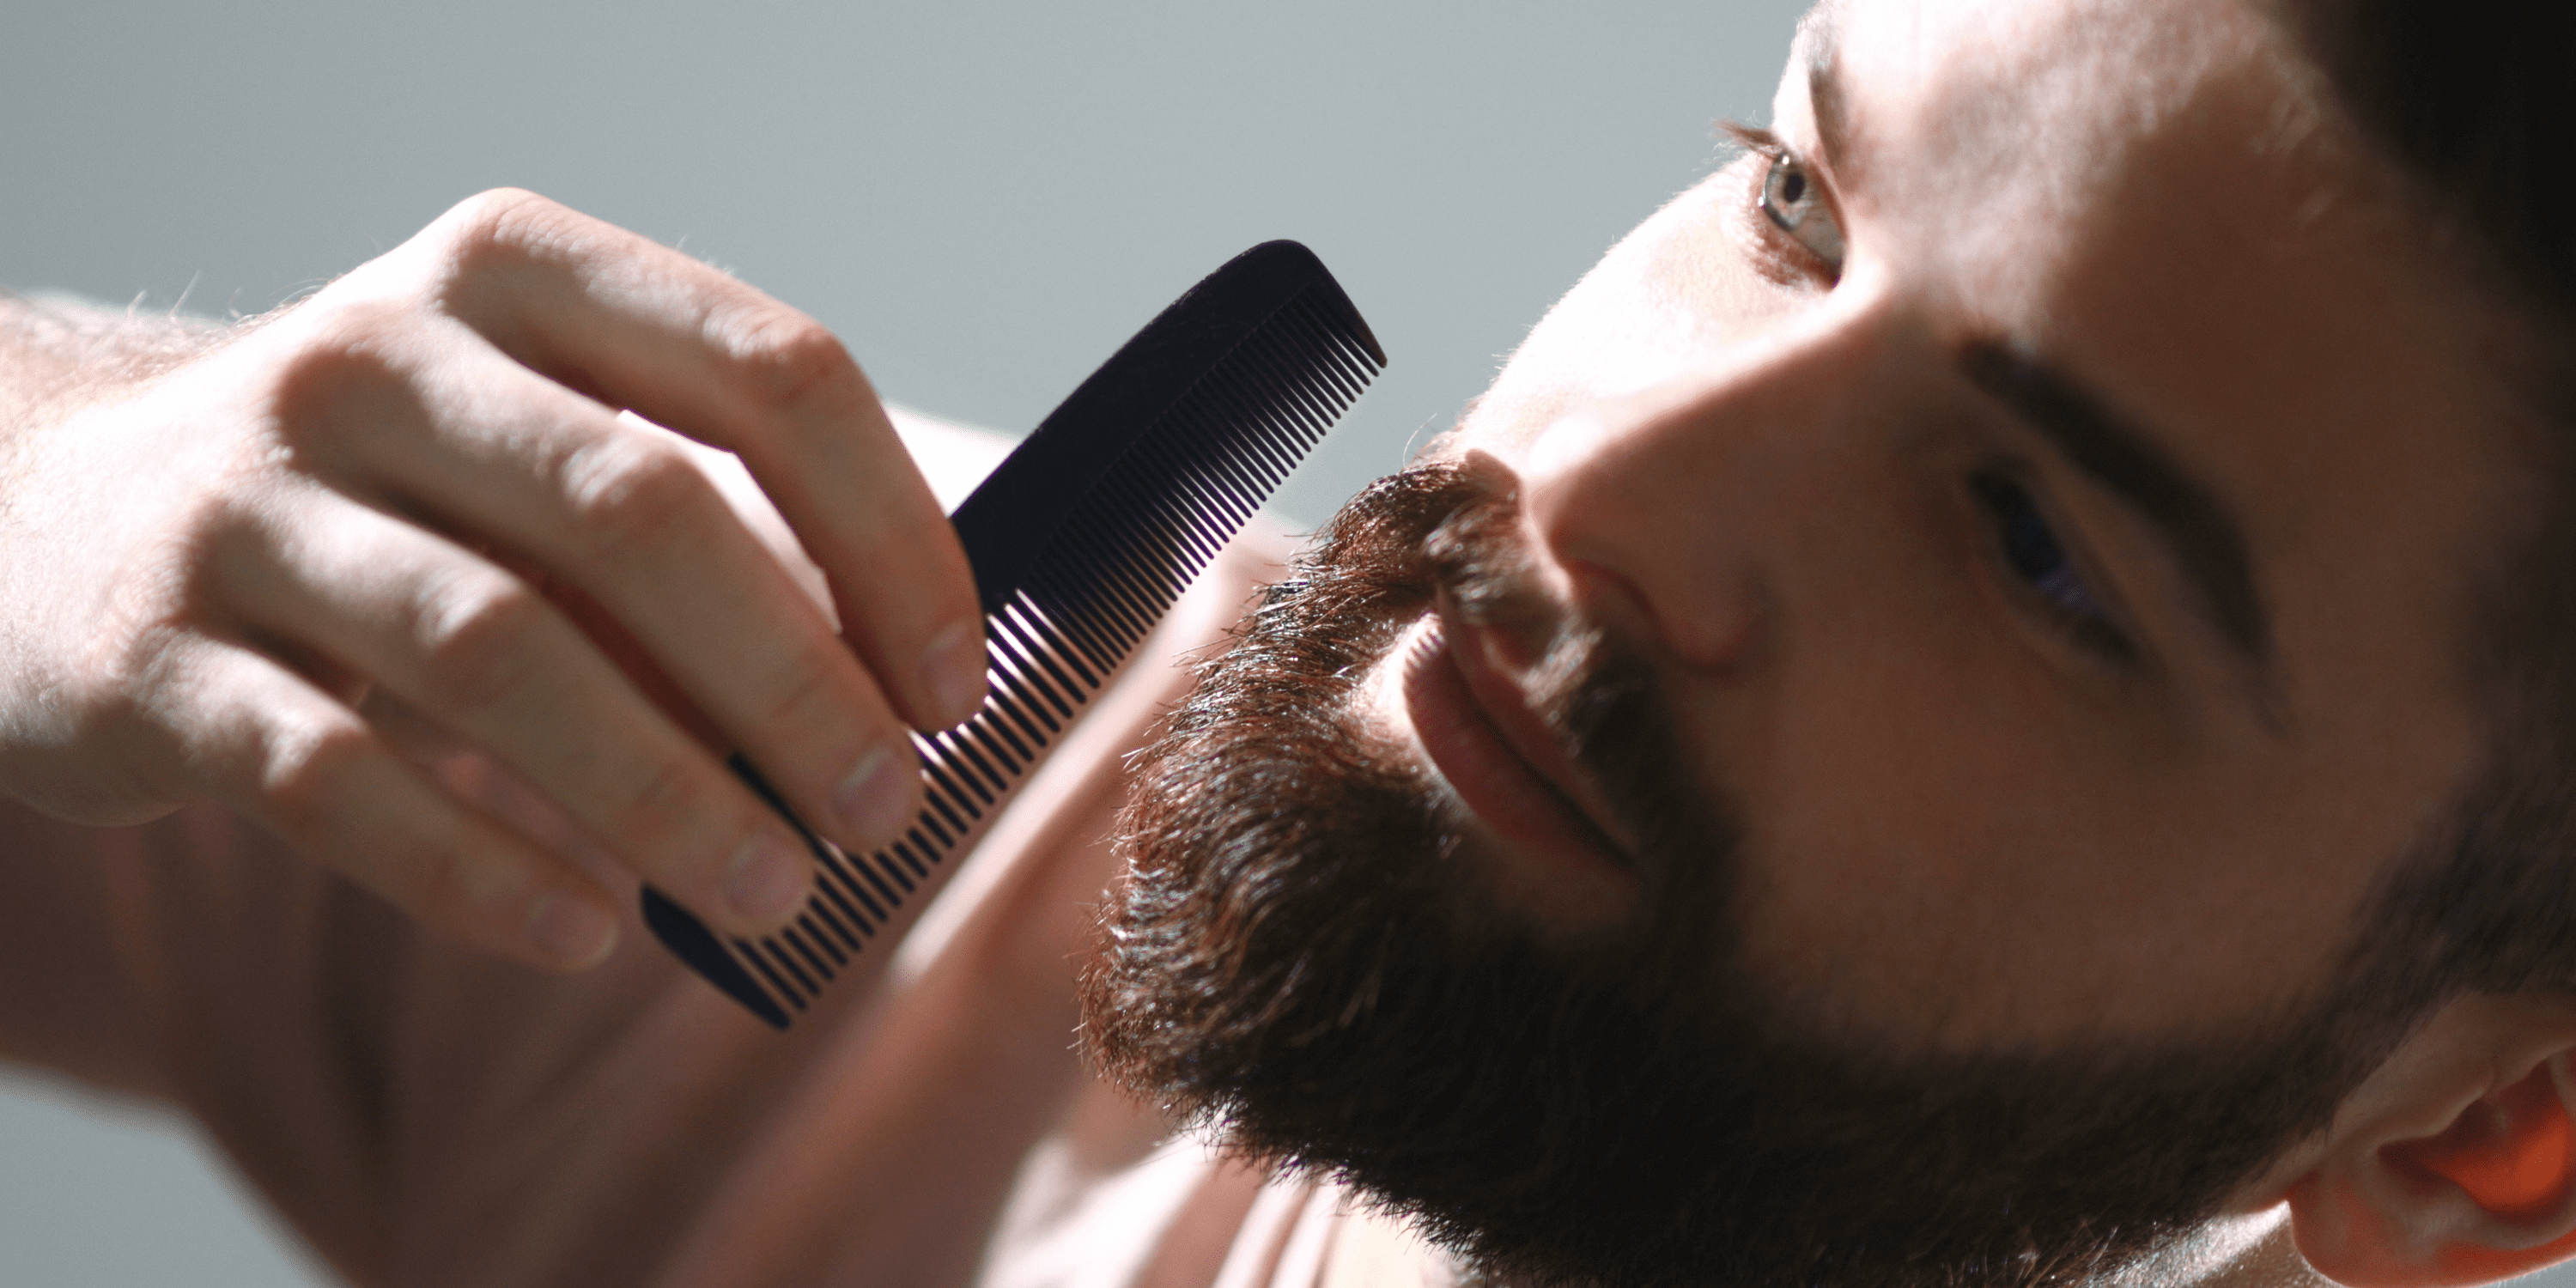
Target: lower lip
(1520, 808)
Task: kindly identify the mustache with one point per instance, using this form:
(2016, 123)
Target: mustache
(1600, 696)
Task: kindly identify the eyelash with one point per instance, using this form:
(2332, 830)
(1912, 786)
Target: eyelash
(2043, 569)
(1791, 260)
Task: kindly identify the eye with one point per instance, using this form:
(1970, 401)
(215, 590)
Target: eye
(2032, 552)
(1792, 200)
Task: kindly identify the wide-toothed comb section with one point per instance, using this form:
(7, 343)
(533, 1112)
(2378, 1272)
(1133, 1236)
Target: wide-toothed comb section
(1087, 585)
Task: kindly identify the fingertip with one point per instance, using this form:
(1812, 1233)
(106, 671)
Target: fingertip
(572, 933)
(952, 672)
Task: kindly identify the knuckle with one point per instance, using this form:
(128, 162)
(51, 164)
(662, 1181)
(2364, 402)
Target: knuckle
(138, 657)
(128, 688)
(668, 799)
(496, 217)
(353, 325)
(490, 232)
(433, 881)
(466, 880)
(148, 614)
(344, 376)
(805, 691)
(629, 496)
(477, 636)
(346, 355)
(782, 359)
(305, 769)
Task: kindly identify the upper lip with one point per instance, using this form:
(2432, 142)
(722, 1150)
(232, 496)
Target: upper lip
(1504, 703)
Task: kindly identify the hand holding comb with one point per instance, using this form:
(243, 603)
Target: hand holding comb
(1080, 541)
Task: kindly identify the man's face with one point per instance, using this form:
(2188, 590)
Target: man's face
(1996, 797)
(2021, 510)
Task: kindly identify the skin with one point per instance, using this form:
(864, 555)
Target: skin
(404, 515)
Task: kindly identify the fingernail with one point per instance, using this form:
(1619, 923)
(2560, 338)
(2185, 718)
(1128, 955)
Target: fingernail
(952, 668)
(875, 799)
(767, 882)
(574, 932)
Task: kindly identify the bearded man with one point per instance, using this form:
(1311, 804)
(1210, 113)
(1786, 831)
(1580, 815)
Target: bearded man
(1983, 702)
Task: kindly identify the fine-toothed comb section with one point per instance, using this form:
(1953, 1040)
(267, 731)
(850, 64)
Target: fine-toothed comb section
(1080, 541)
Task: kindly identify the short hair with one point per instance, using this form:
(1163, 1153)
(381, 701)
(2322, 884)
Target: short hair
(2473, 104)
(2470, 107)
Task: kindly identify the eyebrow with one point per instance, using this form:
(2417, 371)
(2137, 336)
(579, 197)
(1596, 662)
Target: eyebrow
(1819, 36)
(2201, 533)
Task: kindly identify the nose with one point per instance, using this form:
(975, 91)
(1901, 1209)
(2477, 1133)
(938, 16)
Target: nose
(1681, 512)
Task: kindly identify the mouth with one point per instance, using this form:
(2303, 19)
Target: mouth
(1509, 771)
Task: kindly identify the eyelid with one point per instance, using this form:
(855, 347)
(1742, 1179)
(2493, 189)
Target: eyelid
(1754, 138)
(1764, 143)
(2114, 638)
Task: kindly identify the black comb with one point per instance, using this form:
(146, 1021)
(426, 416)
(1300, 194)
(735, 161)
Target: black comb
(1080, 540)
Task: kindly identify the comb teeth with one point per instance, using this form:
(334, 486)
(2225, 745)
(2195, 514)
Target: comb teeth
(1187, 486)
(1108, 569)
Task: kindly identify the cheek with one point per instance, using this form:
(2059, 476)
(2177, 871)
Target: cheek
(1956, 841)
(1877, 777)
(1897, 869)
(1949, 860)
(1933, 877)
(1670, 299)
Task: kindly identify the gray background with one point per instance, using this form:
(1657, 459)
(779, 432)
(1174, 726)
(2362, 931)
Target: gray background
(982, 198)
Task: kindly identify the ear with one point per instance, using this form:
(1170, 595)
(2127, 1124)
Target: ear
(2455, 1162)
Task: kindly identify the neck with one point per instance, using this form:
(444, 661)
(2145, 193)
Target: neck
(1373, 1250)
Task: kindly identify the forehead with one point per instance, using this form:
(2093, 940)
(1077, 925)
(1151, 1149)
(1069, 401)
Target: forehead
(2074, 132)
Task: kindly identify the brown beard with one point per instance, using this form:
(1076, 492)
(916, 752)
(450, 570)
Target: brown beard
(1298, 961)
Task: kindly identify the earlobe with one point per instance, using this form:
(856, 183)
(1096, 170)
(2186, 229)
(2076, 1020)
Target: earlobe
(2468, 1177)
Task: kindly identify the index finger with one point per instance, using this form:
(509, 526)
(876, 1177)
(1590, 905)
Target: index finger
(641, 326)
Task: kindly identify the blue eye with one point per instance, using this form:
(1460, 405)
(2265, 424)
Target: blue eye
(2034, 554)
(1792, 202)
